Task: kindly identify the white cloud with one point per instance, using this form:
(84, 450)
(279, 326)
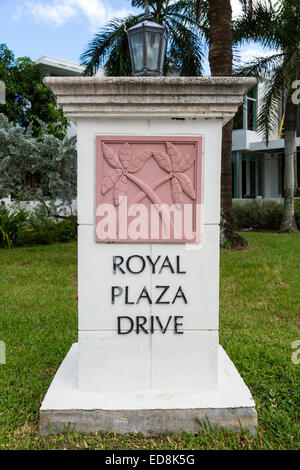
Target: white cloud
(55, 13)
(246, 55)
(58, 12)
(18, 13)
(97, 12)
(236, 8)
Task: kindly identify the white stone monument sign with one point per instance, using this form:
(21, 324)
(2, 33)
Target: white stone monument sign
(148, 357)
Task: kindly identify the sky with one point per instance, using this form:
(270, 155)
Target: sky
(63, 28)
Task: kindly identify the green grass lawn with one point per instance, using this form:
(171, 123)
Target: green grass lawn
(259, 320)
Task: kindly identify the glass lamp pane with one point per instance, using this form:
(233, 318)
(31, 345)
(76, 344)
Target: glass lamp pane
(163, 52)
(152, 50)
(138, 50)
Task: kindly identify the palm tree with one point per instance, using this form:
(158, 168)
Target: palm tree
(220, 61)
(110, 46)
(191, 24)
(277, 29)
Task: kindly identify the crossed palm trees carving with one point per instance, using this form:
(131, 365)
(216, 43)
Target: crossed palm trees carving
(125, 164)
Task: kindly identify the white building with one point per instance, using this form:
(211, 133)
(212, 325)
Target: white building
(257, 169)
(53, 67)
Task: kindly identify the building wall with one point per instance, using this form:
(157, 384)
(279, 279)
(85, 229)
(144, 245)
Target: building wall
(271, 176)
(257, 167)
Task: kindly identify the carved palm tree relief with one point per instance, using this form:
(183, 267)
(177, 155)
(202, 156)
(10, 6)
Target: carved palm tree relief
(125, 163)
(163, 173)
(175, 164)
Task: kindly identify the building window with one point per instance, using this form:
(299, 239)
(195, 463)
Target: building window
(252, 109)
(252, 175)
(238, 119)
(246, 117)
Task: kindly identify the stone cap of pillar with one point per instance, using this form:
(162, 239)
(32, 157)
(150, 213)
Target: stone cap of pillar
(173, 97)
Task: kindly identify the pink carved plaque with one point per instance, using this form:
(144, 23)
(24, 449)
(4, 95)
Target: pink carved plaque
(148, 189)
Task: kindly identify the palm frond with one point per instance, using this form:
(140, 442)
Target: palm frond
(107, 42)
(291, 67)
(259, 66)
(184, 49)
(109, 48)
(288, 23)
(119, 63)
(257, 25)
(270, 102)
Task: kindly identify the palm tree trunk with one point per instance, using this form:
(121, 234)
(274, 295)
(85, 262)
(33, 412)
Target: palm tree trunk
(288, 223)
(220, 38)
(220, 61)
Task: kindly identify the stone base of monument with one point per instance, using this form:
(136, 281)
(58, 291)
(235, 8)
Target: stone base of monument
(66, 407)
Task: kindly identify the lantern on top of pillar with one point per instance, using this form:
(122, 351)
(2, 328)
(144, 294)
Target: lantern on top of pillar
(147, 44)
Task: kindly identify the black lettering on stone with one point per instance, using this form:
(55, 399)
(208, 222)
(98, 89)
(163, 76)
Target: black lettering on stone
(117, 261)
(176, 325)
(180, 294)
(128, 264)
(140, 322)
(144, 295)
(165, 288)
(116, 291)
(161, 326)
(120, 332)
(178, 266)
(167, 264)
(152, 324)
(153, 264)
(127, 302)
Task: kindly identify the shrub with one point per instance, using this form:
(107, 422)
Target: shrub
(262, 215)
(11, 224)
(49, 163)
(45, 232)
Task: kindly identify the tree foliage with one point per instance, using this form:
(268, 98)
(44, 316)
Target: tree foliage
(28, 100)
(39, 168)
(186, 25)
